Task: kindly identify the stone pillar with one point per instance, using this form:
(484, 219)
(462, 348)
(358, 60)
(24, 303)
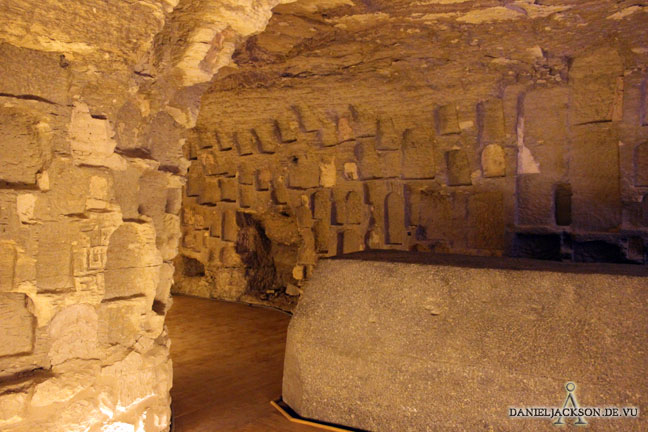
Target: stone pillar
(95, 103)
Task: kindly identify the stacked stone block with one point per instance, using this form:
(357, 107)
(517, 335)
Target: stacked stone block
(526, 172)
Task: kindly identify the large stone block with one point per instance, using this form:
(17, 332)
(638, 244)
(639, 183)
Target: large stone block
(73, 334)
(127, 190)
(593, 81)
(440, 215)
(246, 142)
(211, 192)
(21, 152)
(33, 74)
(352, 241)
(490, 119)
(446, 119)
(133, 262)
(458, 168)
(321, 231)
(429, 342)
(72, 189)
(8, 255)
(127, 122)
(486, 220)
(303, 171)
(54, 258)
(16, 324)
(354, 208)
(92, 140)
(493, 160)
(195, 181)
(322, 205)
(641, 165)
(327, 172)
(119, 321)
(287, 126)
(545, 129)
(388, 136)
(228, 189)
(164, 138)
(395, 218)
(534, 200)
(368, 160)
(418, 154)
(230, 227)
(594, 172)
(247, 196)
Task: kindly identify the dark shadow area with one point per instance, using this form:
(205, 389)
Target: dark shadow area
(505, 263)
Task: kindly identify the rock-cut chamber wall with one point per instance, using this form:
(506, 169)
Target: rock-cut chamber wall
(482, 131)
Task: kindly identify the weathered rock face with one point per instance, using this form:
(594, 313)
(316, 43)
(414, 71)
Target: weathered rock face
(451, 343)
(382, 125)
(95, 101)
(468, 127)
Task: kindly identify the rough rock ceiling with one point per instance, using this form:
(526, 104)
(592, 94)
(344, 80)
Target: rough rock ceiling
(467, 115)
(386, 38)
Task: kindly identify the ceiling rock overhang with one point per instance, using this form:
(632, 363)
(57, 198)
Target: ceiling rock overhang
(96, 99)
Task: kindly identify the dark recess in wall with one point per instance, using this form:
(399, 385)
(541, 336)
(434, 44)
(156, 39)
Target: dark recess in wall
(563, 204)
(192, 267)
(539, 246)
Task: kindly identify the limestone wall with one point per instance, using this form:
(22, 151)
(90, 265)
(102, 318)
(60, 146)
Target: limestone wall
(339, 132)
(95, 101)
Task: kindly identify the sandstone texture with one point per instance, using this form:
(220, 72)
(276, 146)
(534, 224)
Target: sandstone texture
(393, 342)
(445, 126)
(96, 102)
(481, 127)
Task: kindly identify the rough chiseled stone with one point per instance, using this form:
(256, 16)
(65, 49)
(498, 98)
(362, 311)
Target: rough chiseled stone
(132, 262)
(395, 215)
(447, 121)
(491, 121)
(493, 161)
(641, 164)
(418, 155)
(230, 227)
(21, 130)
(16, 324)
(304, 172)
(596, 203)
(93, 122)
(74, 334)
(593, 79)
(98, 121)
(416, 327)
(458, 168)
(354, 206)
(8, 257)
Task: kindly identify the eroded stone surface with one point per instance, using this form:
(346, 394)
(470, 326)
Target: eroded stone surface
(478, 133)
(418, 329)
(96, 103)
(16, 324)
(102, 118)
(20, 129)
